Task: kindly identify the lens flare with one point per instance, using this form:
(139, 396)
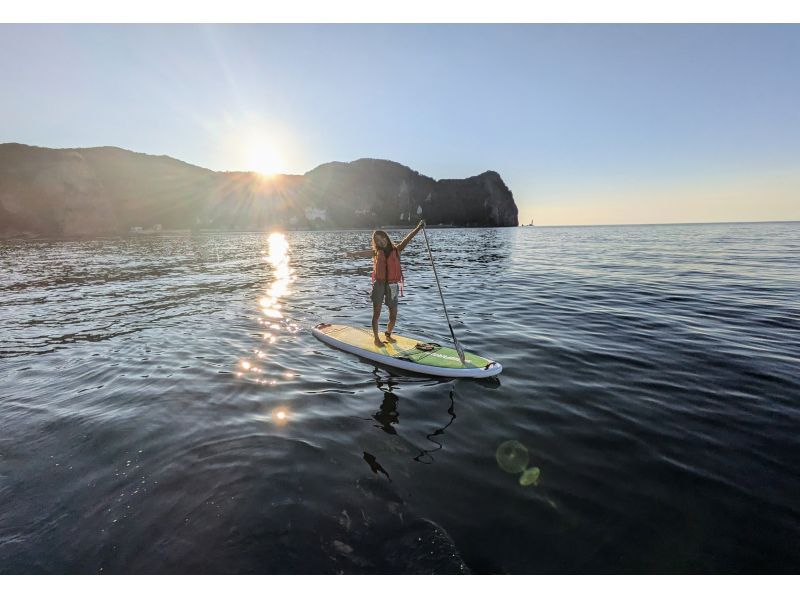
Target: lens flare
(512, 456)
(530, 477)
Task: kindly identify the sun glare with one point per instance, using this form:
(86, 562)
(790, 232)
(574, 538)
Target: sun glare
(264, 159)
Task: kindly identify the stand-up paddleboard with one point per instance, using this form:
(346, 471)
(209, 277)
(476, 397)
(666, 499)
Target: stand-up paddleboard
(407, 354)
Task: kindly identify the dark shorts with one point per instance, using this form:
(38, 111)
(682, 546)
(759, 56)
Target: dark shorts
(383, 292)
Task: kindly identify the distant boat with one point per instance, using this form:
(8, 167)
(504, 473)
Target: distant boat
(531, 224)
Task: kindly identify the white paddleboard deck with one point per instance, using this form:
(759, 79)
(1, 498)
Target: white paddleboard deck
(409, 354)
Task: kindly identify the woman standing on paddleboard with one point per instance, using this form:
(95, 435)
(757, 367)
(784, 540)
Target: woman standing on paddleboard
(387, 276)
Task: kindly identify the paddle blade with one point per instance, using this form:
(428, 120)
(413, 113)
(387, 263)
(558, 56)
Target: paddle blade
(460, 351)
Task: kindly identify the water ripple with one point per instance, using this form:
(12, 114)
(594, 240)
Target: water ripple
(167, 410)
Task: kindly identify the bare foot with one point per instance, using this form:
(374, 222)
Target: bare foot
(378, 342)
(389, 337)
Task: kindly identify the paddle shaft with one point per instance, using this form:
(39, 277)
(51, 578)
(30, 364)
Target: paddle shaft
(441, 296)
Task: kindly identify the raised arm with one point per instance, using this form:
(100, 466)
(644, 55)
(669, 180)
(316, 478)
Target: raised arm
(364, 253)
(402, 244)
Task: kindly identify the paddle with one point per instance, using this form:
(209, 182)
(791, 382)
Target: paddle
(455, 340)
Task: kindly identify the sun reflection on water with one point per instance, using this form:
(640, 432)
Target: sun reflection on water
(257, 368)
(277, 255)
(280, 416)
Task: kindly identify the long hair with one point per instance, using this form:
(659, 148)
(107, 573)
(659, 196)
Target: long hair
(389, 246)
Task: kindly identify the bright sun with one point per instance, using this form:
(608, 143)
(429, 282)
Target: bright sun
(264, 159)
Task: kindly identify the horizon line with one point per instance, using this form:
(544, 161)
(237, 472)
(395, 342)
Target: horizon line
(661, 223)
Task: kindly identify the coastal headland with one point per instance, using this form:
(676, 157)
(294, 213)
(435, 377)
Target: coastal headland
(108, 190)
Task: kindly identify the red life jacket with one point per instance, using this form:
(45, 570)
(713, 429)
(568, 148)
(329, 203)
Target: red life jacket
(387, 269)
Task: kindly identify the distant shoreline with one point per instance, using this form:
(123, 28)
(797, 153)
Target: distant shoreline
(663, 223)
(6, 236)
(210, 231)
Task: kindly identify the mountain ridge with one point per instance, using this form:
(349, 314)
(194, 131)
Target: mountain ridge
(111, 190)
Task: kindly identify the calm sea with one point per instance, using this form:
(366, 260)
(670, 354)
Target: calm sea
(164, 407)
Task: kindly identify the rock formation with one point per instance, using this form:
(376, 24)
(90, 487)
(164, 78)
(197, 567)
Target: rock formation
(107, 190)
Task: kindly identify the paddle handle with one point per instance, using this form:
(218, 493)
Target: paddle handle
(459, 350)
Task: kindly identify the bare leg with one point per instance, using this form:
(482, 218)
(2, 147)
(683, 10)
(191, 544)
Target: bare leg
(376, 314)
(392, 320)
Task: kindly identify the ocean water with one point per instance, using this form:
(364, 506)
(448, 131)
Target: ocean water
(164, 407)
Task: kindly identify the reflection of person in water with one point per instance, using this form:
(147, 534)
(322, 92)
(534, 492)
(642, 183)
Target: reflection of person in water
(387, 276)
(388, 415)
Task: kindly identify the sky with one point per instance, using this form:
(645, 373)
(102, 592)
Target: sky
(587, 124)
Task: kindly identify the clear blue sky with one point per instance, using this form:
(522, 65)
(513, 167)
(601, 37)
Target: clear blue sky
(587, 124)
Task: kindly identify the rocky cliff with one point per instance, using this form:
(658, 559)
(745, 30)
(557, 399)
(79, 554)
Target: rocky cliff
(108, 190)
